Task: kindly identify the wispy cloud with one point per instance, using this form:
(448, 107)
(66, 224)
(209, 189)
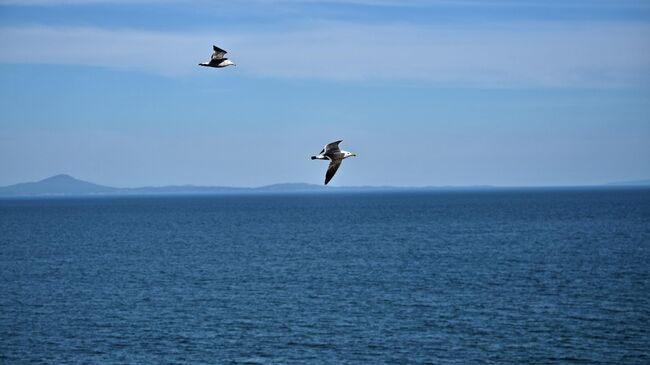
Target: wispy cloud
(472, 3)
(156, 52)
(400, 3)
(542, 54)
(537, 54)
(77, 2)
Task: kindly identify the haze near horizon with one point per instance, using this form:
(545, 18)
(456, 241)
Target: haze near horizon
(509, 93)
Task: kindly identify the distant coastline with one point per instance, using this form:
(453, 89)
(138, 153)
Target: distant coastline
(67, 186)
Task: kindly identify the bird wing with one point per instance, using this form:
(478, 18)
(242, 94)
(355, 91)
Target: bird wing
(332, 147)
(331, 170)
(217, 62)
(218, 53)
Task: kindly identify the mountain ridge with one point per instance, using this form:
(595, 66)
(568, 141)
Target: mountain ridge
(60, 184)
(66, 185)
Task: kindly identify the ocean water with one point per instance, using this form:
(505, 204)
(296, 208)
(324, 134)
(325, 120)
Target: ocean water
(496, 277)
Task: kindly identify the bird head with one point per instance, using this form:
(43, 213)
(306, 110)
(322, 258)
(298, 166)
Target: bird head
(349, 154)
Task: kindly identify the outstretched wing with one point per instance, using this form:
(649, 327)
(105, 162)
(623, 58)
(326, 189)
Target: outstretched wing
(218, 53)
(332, 147)
(331, 170)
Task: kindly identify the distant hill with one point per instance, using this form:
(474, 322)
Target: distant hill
(65, 185)
(56, 185)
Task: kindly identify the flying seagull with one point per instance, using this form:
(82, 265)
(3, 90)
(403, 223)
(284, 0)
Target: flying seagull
(218, 59)
(335, 155)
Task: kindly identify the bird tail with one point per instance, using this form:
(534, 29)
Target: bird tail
(313, 157)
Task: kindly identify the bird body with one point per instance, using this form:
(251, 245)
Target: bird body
(335, 156)
(218, 59)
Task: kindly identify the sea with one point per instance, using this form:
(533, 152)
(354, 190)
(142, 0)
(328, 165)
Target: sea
(502, 276)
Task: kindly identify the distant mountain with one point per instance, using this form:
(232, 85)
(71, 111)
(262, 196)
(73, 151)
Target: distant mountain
(65, 185)
(56, 185)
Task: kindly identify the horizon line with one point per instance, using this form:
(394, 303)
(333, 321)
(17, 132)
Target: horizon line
(635, 182)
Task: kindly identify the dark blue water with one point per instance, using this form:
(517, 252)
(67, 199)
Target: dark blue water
(445, 278)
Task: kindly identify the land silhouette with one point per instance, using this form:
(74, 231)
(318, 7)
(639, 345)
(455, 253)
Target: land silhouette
(66, 185)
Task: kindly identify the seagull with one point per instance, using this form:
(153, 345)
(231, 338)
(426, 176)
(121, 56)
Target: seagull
(218, 59)
(335, 155)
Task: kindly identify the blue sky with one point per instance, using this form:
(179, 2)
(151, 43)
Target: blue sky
(425, 92)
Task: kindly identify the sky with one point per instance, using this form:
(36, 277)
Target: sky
(425, 92)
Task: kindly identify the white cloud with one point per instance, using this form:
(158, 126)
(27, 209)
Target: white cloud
(542, 54)
(486, 55)
(162, 53)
